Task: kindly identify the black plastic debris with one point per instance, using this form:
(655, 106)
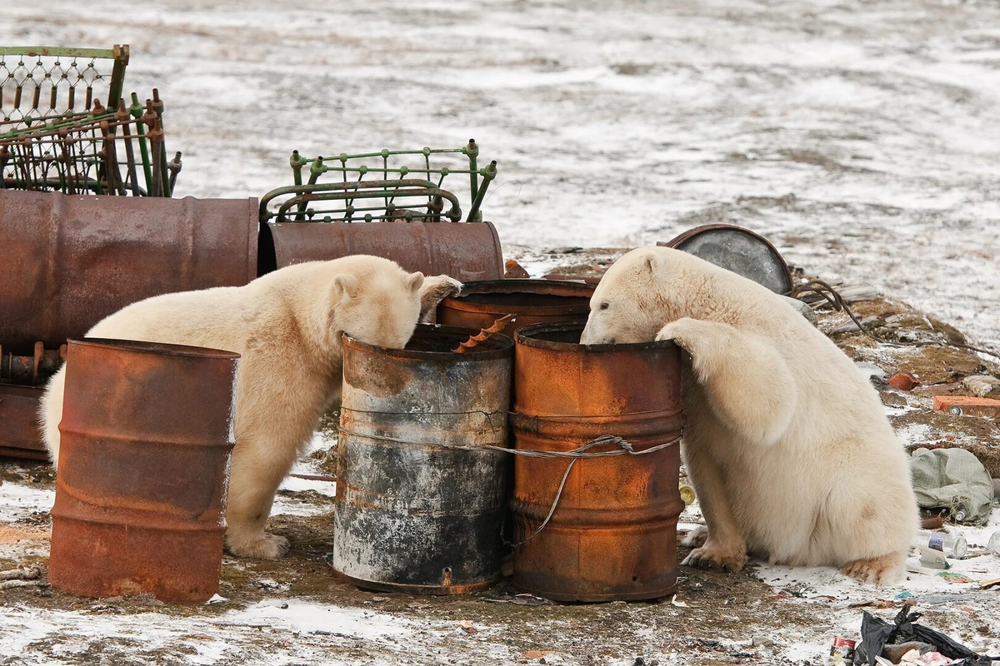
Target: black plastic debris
(876, 634)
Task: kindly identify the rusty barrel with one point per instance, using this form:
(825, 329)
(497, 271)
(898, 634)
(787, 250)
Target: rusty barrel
(146, 438)
(613, 533)
(412, 515)
(69, 261)
(530, 301)
(464, 250)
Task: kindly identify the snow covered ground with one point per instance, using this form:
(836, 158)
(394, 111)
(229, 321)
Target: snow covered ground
(862, 137)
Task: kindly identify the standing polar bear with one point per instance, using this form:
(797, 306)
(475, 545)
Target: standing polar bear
(786, 442)
(287, 327)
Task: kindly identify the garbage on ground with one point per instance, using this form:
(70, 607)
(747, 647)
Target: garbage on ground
(881, 641)
(904, 381)
(964, 405)
(953, 479)
(954, 547)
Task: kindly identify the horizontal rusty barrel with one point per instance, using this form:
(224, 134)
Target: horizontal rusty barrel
(614, 530)
(146, 438)
(68, 261)
(530, 301)
(465, 251)
(410, 514)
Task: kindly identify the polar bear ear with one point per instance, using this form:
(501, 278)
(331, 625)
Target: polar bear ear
(650, 263)
(415, 281)
(345, 285)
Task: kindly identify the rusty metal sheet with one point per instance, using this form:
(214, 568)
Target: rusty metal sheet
(146, 439)
(739, 250)
(530, 301)
(66, 262)
(465, 251)
(19, 427)
(613, 534)
(410, 514)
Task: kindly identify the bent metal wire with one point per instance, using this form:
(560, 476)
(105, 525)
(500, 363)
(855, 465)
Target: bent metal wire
(387, 185)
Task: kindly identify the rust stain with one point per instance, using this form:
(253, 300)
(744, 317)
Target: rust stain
(143, 470)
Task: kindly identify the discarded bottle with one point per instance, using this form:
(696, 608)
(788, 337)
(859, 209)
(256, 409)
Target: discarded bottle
(994, 544)
(952, 546)
(960, 515)
(688, 496)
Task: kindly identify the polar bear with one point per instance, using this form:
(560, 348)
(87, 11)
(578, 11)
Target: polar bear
(287, 328)
(786, 443)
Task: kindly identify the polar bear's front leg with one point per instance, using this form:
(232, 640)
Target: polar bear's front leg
(434, 290)
(253, 483)
(723, 547)
(749, 385)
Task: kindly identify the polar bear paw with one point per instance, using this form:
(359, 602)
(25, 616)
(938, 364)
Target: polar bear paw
(716, 558)
(696, 538)
(265, 547)
(434, 290)
(883, 570)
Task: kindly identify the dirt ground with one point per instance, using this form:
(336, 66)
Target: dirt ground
(274, 610)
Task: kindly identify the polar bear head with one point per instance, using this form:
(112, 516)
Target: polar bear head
(635, 298)
(376, 302)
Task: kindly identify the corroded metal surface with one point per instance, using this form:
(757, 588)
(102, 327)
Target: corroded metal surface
(739, 250)
(465, 251)
(66, 262)
(146, 438)
(411, 515)
(613, 533)
(19, 428)
(530, 301)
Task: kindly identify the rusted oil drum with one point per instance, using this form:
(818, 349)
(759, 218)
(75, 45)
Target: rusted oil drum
(410, 514)
(614, 530)
(19, 425)
(68, 261)
(531, 301)
(146, 438)
(464, 250)
(739, 250)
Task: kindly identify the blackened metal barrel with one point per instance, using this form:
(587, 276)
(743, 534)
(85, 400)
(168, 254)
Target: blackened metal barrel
(146, 438)
(530, 301)
(613, 533)
(410, 514)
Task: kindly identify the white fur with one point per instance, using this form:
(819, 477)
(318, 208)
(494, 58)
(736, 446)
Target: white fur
(287, 327)
(787, 444)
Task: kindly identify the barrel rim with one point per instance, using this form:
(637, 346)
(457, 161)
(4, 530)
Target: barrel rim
(570, 288)
(478, 353)
(154, 348)
(525, 338)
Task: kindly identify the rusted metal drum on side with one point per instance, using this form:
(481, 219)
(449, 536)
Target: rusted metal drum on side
(739, 250)
(464, 250)
(146, 438)
(613, 533)
(530, 301)
(19, 426)
(68, 261)
(411, 515)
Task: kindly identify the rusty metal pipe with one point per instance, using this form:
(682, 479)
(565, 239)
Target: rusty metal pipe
(146, 440)
(613, 533)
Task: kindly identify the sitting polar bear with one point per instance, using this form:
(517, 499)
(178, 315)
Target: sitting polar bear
(287, 328)
(786, 442)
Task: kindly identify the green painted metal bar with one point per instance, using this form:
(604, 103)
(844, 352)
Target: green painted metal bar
(488, 174)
